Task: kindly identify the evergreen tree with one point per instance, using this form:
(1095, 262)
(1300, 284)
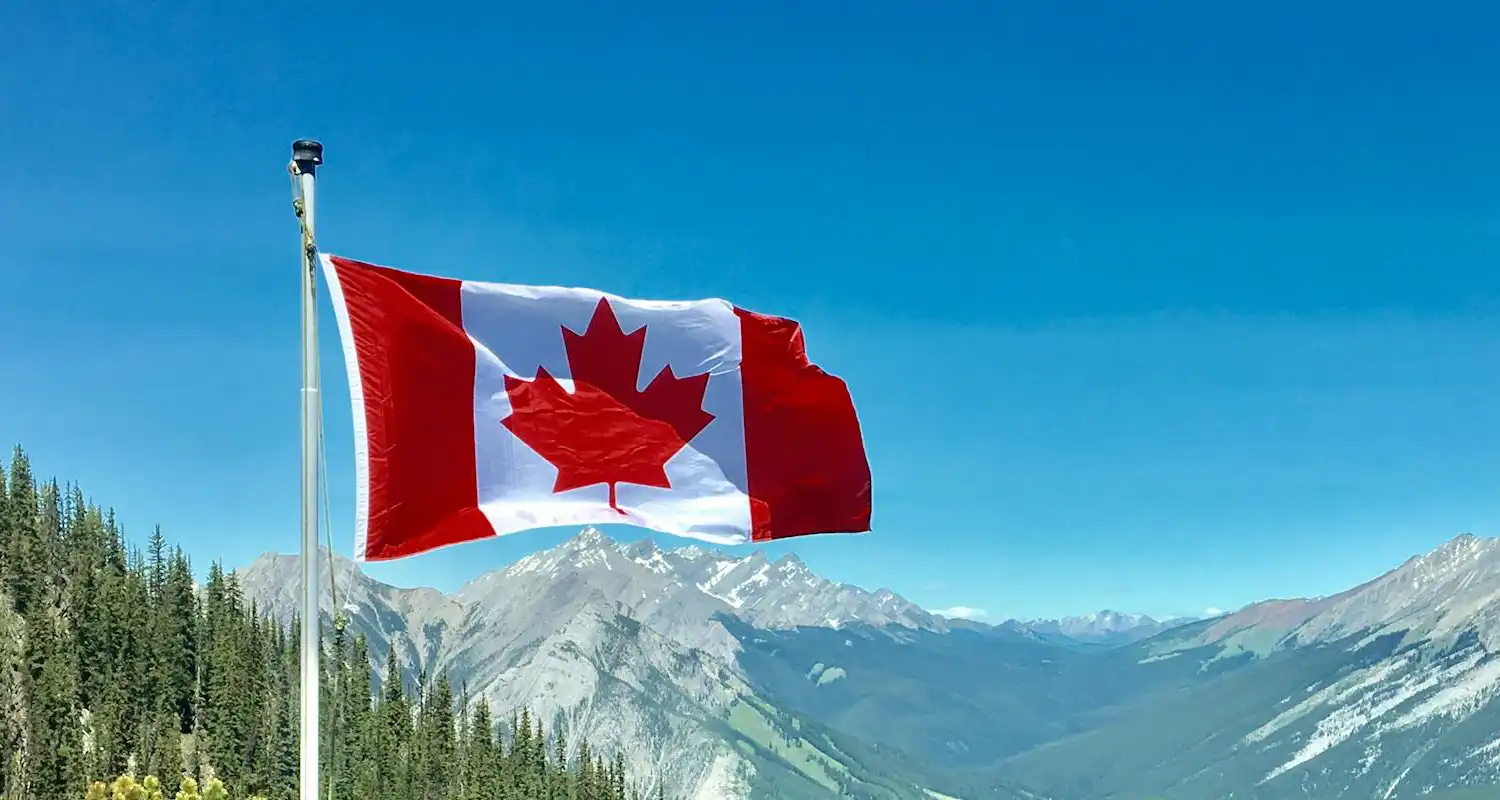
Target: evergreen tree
(54, 754)
(116, 679)
(588, 778)
(174, 641)
(6, 522)
(482, 774)
(562, 785)
(158, 564)
(25, 568)
(437, 737)
(617, 774)
(394, 733)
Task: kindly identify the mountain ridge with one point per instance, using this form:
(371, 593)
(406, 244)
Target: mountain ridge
(733, 580)
(712, 669)
(1104, 627)
(624, 645)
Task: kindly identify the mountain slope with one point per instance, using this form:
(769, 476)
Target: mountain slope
(1388, 690)
(699, 581)
(960, 701)
(1109, 628)
(1438, 595)
(750, 677)
(418, 623)
(625, 646)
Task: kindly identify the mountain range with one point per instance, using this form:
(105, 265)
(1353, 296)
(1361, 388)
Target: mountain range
(746, 677)
(1107, 628)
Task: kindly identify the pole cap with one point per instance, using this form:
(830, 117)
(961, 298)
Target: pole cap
(307, 152)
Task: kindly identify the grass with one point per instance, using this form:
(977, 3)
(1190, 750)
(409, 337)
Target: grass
(750, 719)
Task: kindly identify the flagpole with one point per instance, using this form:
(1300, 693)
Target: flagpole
(306, 156)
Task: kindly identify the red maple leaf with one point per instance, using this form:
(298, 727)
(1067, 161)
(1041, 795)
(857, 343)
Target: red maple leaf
(607, 431)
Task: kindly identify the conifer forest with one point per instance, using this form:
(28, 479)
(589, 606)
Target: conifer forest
(122, 677)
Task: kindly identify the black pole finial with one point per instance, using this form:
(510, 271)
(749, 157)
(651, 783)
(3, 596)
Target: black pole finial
(307, 153)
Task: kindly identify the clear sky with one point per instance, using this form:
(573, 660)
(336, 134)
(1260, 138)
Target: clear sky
(1149, 306)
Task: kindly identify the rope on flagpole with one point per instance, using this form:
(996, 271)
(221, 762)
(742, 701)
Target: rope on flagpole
(307, 155)
(340, 620)
(310, 246)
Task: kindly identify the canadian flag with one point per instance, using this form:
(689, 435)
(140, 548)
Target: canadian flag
(482, 409)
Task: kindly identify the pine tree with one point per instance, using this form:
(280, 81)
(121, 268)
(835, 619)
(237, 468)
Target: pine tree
(23, 556)
(437, 736)
(521, 762)
(562, 785)
(394, 733)
(174, 641)
(588, 788)
(54, 740)
(354, 719)
(158, 562)
(110, 667)
(281, 765)
(7, 523)
(617, 772)
(482, 776)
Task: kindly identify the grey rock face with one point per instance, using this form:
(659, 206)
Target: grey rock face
(1389, 689)
(620, 644)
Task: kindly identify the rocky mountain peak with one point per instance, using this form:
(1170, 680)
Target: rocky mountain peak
(553, 627)
(695, 582)
(790, 561)
(589, 536)
(1454, 553)
(1100, 627)
(1452, 588)
(628, 645)
(1433, 594)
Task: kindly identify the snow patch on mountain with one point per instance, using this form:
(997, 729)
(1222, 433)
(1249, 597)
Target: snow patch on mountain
(1407, 691)
(1109, 627)
(625, 645)
(621, 644)
(723, 781)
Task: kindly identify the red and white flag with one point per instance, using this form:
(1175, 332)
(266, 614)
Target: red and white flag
(482, 409)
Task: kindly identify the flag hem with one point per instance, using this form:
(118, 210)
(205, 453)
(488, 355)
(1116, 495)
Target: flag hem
(357, 401)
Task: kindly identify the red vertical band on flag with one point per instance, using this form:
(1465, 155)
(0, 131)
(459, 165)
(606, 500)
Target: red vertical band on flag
(804, 455)
(415, 367)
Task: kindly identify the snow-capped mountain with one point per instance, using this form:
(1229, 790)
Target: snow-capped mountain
(1102, 627)
(1431, 702)
(1390, 689)
(646, 579)
(622, 644)
(697, 664)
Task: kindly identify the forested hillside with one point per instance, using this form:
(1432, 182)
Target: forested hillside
(113, 661)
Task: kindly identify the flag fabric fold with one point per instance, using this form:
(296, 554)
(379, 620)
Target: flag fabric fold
(483, 409)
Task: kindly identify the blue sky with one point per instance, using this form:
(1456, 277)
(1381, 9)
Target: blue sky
(1153, 309)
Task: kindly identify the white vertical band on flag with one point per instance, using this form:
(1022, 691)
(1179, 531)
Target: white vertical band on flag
(357, 402)
(517, 329)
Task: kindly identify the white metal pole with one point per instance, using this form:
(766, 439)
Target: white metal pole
(306, 156)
